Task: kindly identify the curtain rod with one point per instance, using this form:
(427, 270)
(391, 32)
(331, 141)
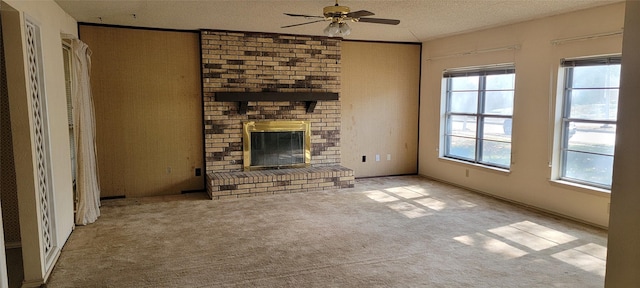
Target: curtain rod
(481, 51)
(68, 36)
(586, 37)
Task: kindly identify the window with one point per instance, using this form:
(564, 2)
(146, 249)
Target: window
(589, 120)
(478, 116)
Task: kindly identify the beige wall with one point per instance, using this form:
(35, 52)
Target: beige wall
(379, 95)
(537, 64)
(52, 21)
(623, 258)
(148, 107)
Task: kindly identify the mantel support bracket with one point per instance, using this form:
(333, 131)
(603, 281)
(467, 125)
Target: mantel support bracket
(311, 105)
(242, 107)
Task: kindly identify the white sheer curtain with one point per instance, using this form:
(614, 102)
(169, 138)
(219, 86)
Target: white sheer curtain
(87, 182)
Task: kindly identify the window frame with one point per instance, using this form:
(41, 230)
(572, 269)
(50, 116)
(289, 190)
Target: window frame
(568, 66)
(479, 114)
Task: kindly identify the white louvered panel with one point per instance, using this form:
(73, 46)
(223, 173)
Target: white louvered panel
(39, 137)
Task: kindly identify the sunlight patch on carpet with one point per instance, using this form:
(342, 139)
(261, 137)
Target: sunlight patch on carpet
(594, 250)
(465, 204)
(404, 193)
(380, 196)
(491, 245)
(532, 235)
(409, 210)
(417, 189)
(431, 203)
(584, 257)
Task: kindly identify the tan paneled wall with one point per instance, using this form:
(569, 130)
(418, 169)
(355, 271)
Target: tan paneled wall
(380, 86)
(146, 86)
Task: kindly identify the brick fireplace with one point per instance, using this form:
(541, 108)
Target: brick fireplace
(240, 63)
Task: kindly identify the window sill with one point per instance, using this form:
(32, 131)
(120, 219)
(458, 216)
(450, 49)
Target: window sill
(496, 170)
(581, 188)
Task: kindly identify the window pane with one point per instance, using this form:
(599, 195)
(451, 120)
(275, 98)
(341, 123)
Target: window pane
(499, 102)
(592, 137)
(461, 147)
(589, 167)
(588, 147)
(498, 129)
(496, 153)
(461, 126)
(500, 82)
(463, 102)
(485, 100)
(595, 104)
(596, 76)
(464, 83)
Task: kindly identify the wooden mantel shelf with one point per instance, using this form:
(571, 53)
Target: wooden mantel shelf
(311, 98)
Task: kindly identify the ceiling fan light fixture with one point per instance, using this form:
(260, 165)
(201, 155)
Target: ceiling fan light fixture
(332, 30)
(339, 16)
(344, 29)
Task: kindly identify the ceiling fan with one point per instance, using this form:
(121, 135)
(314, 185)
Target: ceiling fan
(339, 16)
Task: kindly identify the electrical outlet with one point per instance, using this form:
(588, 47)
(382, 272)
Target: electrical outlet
(198, 172)
(364, 158)
(388, 157)
(377, 157)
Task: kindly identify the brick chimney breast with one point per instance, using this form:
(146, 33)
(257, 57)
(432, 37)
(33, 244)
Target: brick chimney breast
(265, 62)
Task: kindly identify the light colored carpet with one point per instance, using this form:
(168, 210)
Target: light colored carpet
(403, 231)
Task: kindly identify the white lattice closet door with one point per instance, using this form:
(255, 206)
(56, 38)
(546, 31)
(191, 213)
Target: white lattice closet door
(41, 141)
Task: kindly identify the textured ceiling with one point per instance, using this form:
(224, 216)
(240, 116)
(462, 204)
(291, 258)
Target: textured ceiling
(420, 19)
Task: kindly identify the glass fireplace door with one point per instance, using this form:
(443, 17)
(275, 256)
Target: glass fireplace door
(277, 148)
(276, 144)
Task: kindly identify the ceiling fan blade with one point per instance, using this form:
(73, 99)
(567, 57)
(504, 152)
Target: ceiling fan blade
(302, 15)
(380, 21)
(302, 23)
(361, 13)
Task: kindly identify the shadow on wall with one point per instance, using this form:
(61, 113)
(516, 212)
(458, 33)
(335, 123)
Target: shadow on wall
(9, 189)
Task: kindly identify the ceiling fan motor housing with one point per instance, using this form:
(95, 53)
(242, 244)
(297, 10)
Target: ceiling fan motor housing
(336, 11)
